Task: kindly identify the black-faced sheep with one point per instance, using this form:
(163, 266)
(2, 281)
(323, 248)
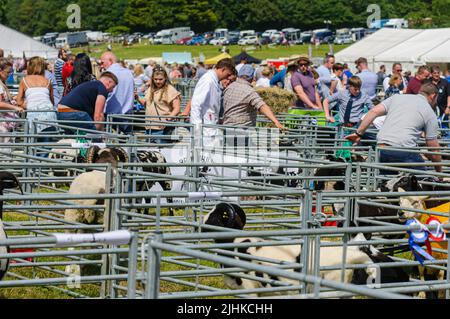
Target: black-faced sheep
(7, 181)
(233, 217)
(91, 183)
(147, 157)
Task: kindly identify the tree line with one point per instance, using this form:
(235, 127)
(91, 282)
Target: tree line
(37, 17)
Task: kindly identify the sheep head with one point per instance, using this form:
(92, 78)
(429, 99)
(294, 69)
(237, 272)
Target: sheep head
(226, 215)
(95, 155)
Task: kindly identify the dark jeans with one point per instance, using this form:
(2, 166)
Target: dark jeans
(388, 156)
(79, 117)
(126, 128)
(158, 133)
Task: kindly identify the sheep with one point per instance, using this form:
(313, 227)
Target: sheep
(91, 183)
(233, 217)
(419, 202)
(7, 181)
(153, 158)
(60, 153)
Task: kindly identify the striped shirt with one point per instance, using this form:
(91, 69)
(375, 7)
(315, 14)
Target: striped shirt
(359, 105)
(58, 72)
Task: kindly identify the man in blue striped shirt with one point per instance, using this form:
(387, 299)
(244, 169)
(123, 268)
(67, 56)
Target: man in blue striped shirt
(62, 58)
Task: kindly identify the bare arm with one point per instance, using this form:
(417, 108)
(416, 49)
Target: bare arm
(303, 97)
(99, 115)
(21, 95)
(187, 110)
(265, 109)
(434, 157)
(52, 94)
(176, 104)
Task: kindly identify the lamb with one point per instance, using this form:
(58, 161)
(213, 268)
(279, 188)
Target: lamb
(7, 181)
(233, 217)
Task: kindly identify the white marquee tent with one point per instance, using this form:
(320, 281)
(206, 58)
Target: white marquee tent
(411, 47)
(16, 44)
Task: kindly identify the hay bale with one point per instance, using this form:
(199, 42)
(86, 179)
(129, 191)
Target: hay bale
(279, 100)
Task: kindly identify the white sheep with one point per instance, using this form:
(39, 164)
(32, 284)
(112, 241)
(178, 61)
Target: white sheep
(233, 217)
(64, 153)
(89, 183)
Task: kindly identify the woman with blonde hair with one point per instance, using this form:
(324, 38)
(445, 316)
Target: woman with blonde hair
(394, 86)
(139, 77)
(266, 76)
(36, 96)
(161, 101)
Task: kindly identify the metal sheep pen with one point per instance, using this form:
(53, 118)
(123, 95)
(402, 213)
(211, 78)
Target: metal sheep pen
(169, 256)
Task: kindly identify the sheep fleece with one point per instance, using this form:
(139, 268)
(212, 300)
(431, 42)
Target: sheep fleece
(86, 184)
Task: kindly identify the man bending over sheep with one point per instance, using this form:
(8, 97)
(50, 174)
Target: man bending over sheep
(87, 102)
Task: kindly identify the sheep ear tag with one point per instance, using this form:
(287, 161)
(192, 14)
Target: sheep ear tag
(419, 237)
(438, 234)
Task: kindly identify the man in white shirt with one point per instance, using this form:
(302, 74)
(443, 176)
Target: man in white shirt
(205, 107)
(206, 100)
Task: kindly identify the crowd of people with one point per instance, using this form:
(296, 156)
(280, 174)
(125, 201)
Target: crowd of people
(225, 94)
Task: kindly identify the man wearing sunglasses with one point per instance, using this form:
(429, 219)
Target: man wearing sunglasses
(396, 69)
(304, 86)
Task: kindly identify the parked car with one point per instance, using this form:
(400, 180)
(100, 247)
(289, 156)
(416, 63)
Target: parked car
(233, 40)
(219, 41)
(343, 40)
(249, 40)
(184, 40)
(198, 40)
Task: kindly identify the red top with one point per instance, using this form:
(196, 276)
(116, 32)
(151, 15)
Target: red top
(414, 86)
(66, 71)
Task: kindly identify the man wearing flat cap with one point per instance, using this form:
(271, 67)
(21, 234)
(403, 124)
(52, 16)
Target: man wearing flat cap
(304, 86)
(241, 102)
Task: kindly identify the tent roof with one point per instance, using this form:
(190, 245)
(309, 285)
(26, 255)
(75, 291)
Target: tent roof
(16, 44)
(409, 46)
(177, 57)
(216, 59)
(439, 54)
(238, 58)
(375, 44)
(413, 48)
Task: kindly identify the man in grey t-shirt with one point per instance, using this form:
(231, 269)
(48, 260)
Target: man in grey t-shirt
(407, 117)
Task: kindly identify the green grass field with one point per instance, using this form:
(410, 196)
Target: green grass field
(141, 51)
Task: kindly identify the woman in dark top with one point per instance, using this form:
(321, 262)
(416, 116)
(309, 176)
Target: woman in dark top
(82, 72)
